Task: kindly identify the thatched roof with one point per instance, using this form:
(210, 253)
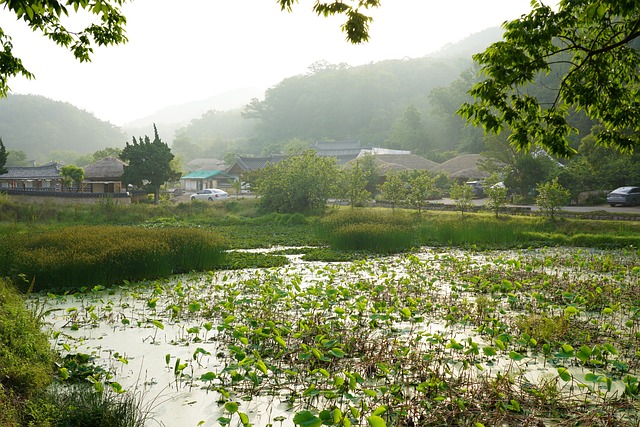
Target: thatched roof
(465, 166)
(400, 162)
(107, 168)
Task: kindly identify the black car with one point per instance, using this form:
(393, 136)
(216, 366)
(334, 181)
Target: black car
(625, 196)
(478, 189)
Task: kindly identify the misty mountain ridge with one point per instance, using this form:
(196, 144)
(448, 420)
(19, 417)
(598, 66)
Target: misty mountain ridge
(173, 117)
(470, 45)
(38, 125)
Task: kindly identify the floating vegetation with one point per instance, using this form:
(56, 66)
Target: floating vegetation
(436, 337)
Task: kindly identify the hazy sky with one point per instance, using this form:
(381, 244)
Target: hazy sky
(187, 50)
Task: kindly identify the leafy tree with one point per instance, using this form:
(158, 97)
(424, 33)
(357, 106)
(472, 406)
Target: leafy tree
(148, 164)
(445, 102)
(409, 132)
(353, 184)
(522, 171)
(16, 158)
(552, 196)
(496, 193)
(72, 174)
(45, 16)
(3, 158)
(356, 26)
(462, 195)
(107, 152)
(236, 184)
(421, 187)
(393, 189)
(300, 183)
(592, 45)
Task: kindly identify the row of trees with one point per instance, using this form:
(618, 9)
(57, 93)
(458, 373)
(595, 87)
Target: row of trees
(304, 183)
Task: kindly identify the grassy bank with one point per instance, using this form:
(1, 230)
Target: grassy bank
(387, 231)
(31, 392)
(84, 246)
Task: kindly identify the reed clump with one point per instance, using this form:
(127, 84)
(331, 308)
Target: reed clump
(379, 231)
(74, 257)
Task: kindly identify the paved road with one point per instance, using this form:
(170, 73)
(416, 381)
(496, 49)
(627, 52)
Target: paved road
(597, 208)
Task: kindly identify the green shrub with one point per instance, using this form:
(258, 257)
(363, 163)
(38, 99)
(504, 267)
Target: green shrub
(26, 360)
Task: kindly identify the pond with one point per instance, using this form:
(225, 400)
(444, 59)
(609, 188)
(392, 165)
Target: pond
(432, 337)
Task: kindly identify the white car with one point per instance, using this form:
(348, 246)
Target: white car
(210, 194)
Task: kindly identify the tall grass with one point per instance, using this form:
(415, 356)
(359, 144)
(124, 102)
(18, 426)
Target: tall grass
(385, 231)
(375, 230)
(82, 406)
(73, 257)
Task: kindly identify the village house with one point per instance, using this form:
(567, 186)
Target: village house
(32, 178)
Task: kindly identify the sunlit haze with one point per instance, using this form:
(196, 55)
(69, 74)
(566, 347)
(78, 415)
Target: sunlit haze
(181, 51)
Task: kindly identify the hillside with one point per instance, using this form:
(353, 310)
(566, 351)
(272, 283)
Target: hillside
(171, 118)
(38, 126)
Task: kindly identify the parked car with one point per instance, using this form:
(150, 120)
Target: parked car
(625, 196)
(478, 189)
(210, 194)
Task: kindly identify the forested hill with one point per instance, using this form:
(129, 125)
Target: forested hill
(38, 126)
(389, 103)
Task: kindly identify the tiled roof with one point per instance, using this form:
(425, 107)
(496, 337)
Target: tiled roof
(48, 171)
(255, 163)
(203, 174)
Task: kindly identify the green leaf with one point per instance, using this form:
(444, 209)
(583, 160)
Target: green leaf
(564, 374)
(376, 421)
(280, 341)
(514, 355)
(584, 353)
(336, 352)
(306, 419)
(380, 410)
(591, 377)
(209, 376)
(244, 419)
(158, 324)
(337, 415)
(231, 407)
(261, 366)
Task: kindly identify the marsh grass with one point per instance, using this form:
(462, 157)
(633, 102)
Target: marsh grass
(375, 230)
(26, 360)
(384, 231)
(82, 406)
(81, 256)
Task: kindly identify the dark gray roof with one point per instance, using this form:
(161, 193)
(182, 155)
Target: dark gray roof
(255, 163)
(48, 171)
